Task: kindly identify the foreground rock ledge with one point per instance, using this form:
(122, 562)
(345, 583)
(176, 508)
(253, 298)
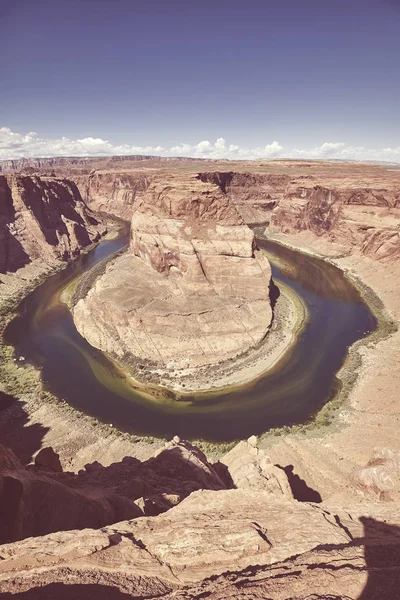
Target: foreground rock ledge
(253, 541)
(216, 544)
(192, 291)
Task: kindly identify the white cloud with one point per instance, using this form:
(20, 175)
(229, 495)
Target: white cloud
(220, 144)
(342, 151)
(17, 145)
(204, 147)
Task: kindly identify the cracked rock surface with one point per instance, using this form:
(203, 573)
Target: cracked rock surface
(239, 543)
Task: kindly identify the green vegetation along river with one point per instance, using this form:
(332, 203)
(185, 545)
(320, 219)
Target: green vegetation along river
(298, 385)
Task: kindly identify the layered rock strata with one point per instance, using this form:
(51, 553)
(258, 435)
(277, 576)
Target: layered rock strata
(193, 289)
(364, 220)
(42, 220)
(227, 530)
(225, 544)
(354, 205)
(41, 498)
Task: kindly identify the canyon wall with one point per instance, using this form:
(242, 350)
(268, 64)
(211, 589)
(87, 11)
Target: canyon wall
(355, 206)
(114, 192)
(42, 221)
(359, 219)
(81, 162)
(360, 213)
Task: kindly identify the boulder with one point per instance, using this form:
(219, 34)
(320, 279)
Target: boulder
(250, 467)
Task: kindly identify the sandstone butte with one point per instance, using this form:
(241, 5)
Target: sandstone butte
(192, 290)
(301, 517)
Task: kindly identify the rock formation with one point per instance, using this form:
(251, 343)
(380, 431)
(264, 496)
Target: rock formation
(42, 220)
(38, 499)
(41, 498)
(239, 543)
(176, 526)
(355, 205)
(114, 192)
(35, 501)
(359, 219)
(192, 291)
(380, 478)
(250, 467)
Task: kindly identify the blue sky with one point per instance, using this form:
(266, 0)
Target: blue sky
(300, 78)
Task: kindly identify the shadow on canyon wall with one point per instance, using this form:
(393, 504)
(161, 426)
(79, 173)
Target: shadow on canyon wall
(77, 591)
(12, 254)
(301, 491)
(382, 562)
(24, 440)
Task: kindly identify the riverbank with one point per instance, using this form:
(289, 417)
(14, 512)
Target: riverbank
(81, 439)
(366, 413)
(290, 318)
(30, 416)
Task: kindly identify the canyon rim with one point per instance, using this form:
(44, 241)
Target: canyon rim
(149, 518)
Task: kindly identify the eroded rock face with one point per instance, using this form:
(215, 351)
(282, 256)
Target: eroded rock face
(380, 478)
(192, 291)
(250, 467)
(115, 193)
(36, 500)
(40, 499)
(361, 219)
(252, 542)
(42, 220)
(218, 545)
(356, 206)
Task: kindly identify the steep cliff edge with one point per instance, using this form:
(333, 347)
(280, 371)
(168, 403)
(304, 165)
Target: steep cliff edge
(42, 221)
(241, 544)
(358, 219)
(231, 529)
(357, 206)
(359, 211)
(41, 498)
(114, 192)
(193, 289)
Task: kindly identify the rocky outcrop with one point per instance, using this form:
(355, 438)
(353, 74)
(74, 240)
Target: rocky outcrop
(115, 192)
(250, 467)
(224, 544)
(40, 498)
(254, 195)
(42, 220)
(380, 478)
(192, 291)
(355, 207)
(35, 501)
(364, 220)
